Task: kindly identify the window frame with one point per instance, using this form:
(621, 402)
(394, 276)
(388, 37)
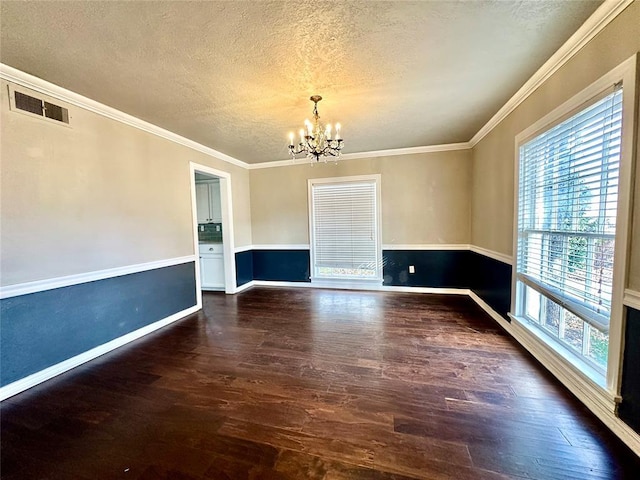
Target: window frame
(626, 73)
(346, 282)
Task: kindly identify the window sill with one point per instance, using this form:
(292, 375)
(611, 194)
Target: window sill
(579, 377)
(354, 283)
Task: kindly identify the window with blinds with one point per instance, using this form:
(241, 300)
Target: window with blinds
(567, 206)
(344, 230)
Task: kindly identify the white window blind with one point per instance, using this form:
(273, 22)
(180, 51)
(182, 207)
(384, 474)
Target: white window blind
(344, 224)
(568, 195)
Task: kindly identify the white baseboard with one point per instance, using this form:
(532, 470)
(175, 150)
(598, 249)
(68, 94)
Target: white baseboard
(270, 283)
(244, 286)
(372, 288)
(440, 291)
(601, 403)
(55, 370)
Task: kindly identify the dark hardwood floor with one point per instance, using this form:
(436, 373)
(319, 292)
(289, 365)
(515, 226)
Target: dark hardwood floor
(317, 384)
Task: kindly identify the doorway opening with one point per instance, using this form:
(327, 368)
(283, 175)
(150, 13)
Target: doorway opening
(212, 229)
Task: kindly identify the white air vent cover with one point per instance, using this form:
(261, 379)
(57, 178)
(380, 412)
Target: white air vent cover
(21, 102)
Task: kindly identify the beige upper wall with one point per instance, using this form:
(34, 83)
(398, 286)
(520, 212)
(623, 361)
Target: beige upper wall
(492, 197)
(425, 198)
(98, 195)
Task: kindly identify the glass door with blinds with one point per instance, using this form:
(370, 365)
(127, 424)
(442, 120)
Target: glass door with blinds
(567, 209)
(344, 229)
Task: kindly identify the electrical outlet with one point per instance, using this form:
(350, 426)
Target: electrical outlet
(412, 269)
(202, 228)
(217, 228)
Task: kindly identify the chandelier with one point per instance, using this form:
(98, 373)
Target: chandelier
(315, 138)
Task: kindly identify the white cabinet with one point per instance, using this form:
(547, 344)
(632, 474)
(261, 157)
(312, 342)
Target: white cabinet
(208, 208)
(214, 201)
(203, 202)
(211, 266)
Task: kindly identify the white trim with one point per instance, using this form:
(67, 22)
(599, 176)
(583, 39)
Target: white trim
(501, 257)
(55, 370)
(631, 298)
(594, 25)
(426, 246)
(436, 290)
(42, 285)
(385, 246)
(447, 147)
(31, 82)
(278, 163)
(561, 356)
(18, 77)
(228, 237)
(371, 288)
(291, 246)
(492, 313)
(609, 10)
(600, 402)
(66, 281)
(245, 286)
(603, 83)
(347, 283)
(270, 283)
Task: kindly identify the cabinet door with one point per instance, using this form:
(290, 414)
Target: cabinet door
(214, 195)
(203, 203)
(212, 271)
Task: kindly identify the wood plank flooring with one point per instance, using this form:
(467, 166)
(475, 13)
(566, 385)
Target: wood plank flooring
(312, 384)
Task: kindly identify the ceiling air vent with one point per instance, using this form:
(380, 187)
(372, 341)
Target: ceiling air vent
(36, 106)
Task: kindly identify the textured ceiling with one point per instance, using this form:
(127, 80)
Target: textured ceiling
(237, 76)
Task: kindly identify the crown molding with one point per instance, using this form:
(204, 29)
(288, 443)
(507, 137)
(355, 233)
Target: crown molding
(32, 82)
(609, 10)
(446, 147)
(605, 13)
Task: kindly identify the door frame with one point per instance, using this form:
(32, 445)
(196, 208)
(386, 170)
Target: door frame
(228, 243)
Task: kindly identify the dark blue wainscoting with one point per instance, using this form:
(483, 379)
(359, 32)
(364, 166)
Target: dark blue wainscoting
(244, 267)
(433, 268)
(42, 329)
(629, 409)
(490, 279)
(281, 265)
